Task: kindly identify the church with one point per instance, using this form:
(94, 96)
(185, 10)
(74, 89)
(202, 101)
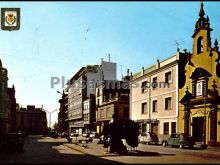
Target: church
(199, 90)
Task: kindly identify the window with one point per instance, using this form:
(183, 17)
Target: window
(168, 103)
(144, 87)
(98, 92)
(173, 127)
(168, 78)
(103, 113)
(3, 86)
(165, 128)
(143, 128)
(154, 84)
(98, 102)
(86, 117)
(199, 45)
(155, 106)
(109, 112)
(126, 112)
(199, 88)
(143, 108)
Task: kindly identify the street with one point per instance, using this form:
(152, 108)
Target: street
(39, 150)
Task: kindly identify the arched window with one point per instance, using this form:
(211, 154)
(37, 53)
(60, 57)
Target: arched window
(199, 45)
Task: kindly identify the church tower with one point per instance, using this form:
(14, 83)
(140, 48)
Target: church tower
(201, 36)
(199, 112)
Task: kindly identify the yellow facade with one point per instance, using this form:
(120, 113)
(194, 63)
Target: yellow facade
(204, 57)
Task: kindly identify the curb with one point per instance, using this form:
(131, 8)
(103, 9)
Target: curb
(87, 153)
(76, 149)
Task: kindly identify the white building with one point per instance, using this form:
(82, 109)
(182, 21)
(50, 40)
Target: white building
(79, 88)
(155, 95)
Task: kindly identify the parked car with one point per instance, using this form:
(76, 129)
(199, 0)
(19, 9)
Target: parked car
(93, 135)
(14, 141)
(53, 134)
(79, 138)
(101, 139)
(178, 139)
(148, 138)
(63, 135)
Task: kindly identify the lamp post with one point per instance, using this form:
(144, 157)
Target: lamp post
(50, 116)
(204, 115)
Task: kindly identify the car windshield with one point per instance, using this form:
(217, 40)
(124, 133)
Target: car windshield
(174, 135)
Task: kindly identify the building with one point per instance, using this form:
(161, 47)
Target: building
(199, 114)
(12, 117)
(31, 120)
(79, 88)
(4, 102)
(89, 113)
(112, 97)
(62, 115)
(155, 94)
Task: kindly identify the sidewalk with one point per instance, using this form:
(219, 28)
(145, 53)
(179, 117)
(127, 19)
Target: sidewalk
(95, 149)
(92, 148)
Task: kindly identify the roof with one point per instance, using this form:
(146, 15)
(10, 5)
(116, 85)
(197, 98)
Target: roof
(154, 66)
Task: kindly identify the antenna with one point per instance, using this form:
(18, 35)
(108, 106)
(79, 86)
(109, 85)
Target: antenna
(178, 43)
(109, 57)
(121, 72)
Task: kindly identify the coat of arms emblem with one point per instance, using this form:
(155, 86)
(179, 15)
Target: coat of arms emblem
(10, 18)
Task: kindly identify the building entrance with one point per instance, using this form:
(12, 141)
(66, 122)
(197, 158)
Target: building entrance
(198, 128)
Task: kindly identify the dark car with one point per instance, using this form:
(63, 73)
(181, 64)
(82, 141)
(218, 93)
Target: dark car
(178, 139)
(148, 138)
(14, 141)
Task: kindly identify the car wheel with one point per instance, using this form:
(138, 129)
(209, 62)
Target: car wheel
(181, 146)
(191, 146)
(164, 144)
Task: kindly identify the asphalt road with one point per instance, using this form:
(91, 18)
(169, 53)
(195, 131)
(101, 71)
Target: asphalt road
(44, 150)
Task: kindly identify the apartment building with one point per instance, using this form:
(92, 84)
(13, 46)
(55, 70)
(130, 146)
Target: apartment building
(4, 102)
(154, 96)
(79, 88)
(112, 97)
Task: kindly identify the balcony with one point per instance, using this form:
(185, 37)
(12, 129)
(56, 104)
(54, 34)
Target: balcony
(122, 98)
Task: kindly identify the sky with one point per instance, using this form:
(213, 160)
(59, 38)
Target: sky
(57, 38)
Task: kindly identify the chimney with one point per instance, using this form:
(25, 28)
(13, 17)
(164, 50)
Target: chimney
(158, 64)
(142, 70)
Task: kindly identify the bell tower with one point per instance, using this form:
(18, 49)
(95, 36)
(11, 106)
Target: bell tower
(201, 36)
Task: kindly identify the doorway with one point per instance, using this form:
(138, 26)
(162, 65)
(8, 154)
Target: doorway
(154, 128)
(197, 129)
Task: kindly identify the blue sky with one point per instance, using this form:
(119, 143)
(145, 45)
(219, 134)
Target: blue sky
(53, 40)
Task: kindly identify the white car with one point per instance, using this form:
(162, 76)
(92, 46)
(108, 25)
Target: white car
(148, 138)
(94, 135)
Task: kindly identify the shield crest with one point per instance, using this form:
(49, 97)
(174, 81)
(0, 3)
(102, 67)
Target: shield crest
(10, 18)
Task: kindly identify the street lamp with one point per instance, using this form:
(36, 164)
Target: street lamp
(50, 116)
(204, 117)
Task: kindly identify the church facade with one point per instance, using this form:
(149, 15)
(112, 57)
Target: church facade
(199, 94)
